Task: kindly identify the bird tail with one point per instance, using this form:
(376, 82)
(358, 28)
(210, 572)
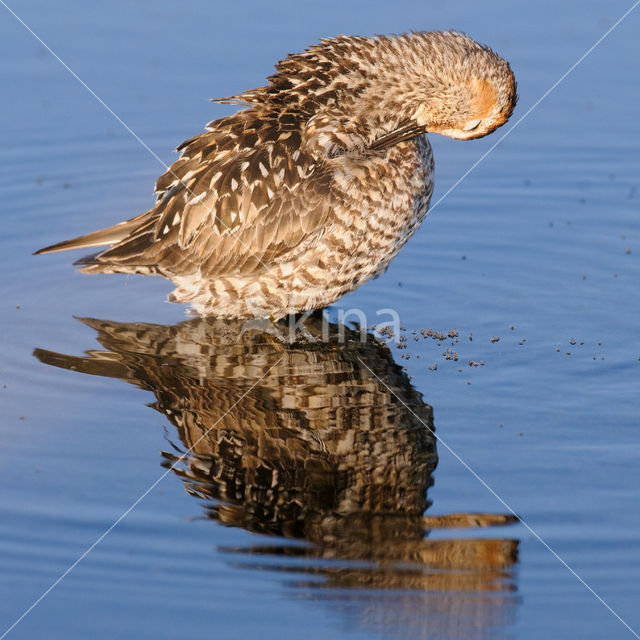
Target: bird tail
(102, 237)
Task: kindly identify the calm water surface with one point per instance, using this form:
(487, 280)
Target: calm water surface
(321, 504)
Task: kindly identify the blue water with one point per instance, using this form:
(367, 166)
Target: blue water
(542, 236)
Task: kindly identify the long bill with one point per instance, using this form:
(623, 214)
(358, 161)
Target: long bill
(404, 132)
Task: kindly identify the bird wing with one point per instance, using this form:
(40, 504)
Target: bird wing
(242, 195)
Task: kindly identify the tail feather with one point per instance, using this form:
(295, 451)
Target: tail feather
(88, 259)
(102, 237)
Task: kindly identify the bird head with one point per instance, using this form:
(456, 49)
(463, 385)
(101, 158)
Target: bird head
(468, 90)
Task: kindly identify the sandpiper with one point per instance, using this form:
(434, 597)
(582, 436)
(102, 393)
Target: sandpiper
(315, 185)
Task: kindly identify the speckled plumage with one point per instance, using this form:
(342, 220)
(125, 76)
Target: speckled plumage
(314, 187)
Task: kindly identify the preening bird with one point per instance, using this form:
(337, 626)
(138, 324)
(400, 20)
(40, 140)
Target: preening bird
(315, 185)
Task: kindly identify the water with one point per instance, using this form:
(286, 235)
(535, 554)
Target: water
(303, 514)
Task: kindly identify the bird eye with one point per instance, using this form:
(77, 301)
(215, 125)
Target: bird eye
(472, 124)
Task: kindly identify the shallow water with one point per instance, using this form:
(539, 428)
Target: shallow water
(321, 504)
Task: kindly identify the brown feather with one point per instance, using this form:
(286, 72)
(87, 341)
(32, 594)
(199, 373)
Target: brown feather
(108, 235)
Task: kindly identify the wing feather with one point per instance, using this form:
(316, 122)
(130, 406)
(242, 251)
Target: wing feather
(236, 201)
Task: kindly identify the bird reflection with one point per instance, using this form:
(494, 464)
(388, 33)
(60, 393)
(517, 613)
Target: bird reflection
(320, 438)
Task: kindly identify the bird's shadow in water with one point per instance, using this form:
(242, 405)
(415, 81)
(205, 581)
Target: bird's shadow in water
(321, 439)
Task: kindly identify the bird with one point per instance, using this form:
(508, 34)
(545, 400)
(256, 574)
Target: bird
(316, 183)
